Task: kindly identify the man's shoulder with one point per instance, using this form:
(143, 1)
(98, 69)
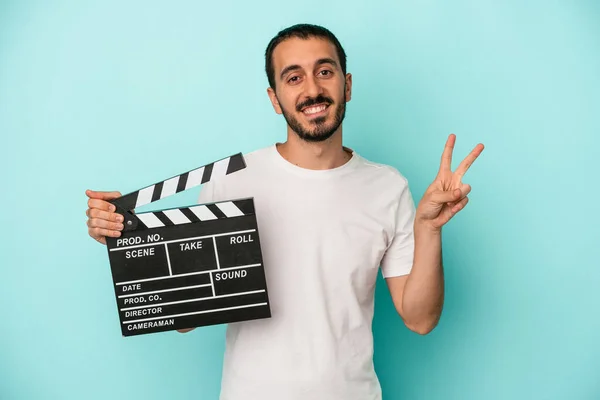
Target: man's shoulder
(255, 162)
(258, 154)
(383, 172)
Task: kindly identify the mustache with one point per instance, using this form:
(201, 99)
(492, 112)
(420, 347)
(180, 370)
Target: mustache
(311, 102)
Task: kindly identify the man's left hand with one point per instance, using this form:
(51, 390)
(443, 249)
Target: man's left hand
(447, 195)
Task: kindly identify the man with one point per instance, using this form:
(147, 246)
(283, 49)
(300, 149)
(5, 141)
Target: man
(329, 221)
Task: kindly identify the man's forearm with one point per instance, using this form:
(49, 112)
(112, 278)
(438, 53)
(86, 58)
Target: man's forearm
(423, 296)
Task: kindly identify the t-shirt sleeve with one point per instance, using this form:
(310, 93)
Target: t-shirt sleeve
(398, 258)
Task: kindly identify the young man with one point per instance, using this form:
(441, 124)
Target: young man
(330, 220)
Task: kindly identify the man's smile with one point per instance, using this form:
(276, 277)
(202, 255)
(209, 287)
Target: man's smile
(316, 110)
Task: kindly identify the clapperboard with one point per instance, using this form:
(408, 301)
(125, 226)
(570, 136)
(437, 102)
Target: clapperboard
(187, 267)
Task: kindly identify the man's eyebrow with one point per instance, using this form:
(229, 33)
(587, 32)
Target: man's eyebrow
(287, 69)
(294, 67)
(331, 61)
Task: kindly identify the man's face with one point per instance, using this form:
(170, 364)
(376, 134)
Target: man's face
(311, 89)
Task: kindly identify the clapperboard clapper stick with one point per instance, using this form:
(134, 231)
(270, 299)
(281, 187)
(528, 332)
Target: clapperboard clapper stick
(187, 267)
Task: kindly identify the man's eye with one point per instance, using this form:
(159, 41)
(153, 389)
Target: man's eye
(325, 72)
(293, 79)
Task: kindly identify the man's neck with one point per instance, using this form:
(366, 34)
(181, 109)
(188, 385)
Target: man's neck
(315, 155)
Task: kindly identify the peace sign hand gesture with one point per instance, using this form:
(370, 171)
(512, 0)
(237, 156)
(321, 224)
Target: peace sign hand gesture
(447, 195)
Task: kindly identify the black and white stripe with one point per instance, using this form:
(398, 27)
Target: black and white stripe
(203, 212)
(181, 182)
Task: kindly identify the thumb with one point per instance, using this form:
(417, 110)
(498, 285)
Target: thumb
(441, 197)
(92, 194)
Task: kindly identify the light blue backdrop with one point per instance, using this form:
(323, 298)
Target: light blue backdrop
(112, 95)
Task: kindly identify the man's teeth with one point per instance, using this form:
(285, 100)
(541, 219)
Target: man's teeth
(315, 109)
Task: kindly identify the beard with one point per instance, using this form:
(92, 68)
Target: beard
(319, 130)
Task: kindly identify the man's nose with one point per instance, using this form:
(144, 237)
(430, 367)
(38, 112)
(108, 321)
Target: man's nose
(312, 87)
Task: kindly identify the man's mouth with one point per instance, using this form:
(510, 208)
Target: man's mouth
(315, 110)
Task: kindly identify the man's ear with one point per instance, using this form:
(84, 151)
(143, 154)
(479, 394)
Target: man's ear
(274, 100)
(348, 91)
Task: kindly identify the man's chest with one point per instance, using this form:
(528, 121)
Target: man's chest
(322, 235)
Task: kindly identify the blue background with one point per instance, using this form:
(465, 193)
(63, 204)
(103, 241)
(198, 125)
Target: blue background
(113, 95)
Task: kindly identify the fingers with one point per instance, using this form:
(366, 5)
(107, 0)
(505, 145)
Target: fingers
(98, 228)
(100, 233)
(446, 162)
(451, 211)
(104, 215)
(103, 221)
(102, 195)
(459, 206)
(101, 205)
(104, 224)
(450, 196)
(465, 189)
(469, 160)
(101, 224)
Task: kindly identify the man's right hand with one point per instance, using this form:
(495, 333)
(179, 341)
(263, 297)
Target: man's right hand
(102, 220)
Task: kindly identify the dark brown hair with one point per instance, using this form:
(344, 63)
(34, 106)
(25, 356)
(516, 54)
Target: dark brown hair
(302, 31)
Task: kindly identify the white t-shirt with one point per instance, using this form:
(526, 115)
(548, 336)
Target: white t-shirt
(324, 235)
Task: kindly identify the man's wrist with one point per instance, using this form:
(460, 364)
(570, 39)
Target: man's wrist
(426, 228)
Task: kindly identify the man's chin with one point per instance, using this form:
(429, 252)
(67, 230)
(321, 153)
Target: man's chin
(315, 136)
(316, 129)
